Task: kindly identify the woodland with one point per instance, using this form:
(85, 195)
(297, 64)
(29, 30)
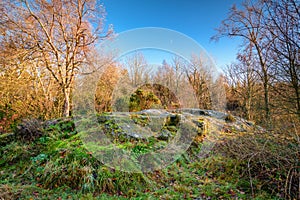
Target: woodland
(246, 119)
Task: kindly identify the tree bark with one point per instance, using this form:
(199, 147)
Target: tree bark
(67, 102)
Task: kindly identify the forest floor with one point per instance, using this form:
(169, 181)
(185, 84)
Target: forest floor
(51, 160)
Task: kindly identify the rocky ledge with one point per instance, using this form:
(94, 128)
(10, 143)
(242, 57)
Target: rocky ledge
(163, 124)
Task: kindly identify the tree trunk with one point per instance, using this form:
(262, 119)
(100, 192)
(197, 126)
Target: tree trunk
(298, 100)
(265, 79)
(248, 108)
(266, 97)
(67, 104)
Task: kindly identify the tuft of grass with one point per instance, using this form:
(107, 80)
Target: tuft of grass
(230, 118)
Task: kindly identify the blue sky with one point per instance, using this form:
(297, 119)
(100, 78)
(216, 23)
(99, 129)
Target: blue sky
(194, 18)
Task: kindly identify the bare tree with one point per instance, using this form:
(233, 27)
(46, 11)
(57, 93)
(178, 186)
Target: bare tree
(282, 22)
(178, 66)
(59, 33)
(244, 80)
(248, 23)
(165, 75)
(138, 69)
(199, 77)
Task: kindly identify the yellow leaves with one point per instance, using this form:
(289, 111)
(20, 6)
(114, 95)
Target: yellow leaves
(199, 139)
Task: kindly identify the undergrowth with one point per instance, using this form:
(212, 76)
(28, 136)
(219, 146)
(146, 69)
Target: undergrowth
(240, 166)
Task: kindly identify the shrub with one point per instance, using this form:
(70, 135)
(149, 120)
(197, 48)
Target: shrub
(141, 100)
(268, 161)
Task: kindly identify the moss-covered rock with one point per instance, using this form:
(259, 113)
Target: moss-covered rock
(29, 130)
(141, 100)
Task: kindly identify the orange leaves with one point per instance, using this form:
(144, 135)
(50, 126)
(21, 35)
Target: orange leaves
(105, 87)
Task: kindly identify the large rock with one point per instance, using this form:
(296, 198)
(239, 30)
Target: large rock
(29, 130)
(164, 124)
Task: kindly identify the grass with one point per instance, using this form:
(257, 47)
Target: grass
(240, 166)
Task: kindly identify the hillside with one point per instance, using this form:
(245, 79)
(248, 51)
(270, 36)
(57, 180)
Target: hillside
(223, 157)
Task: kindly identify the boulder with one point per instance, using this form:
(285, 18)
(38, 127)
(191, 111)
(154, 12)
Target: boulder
(164, 124)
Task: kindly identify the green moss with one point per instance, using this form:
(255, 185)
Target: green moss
(55, 167)
(141, 100)
(6, 138)
(140, 119)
